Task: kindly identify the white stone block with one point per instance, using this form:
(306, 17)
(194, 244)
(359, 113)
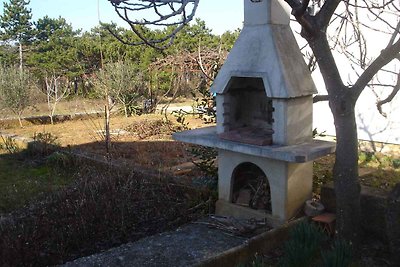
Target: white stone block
(266, 11)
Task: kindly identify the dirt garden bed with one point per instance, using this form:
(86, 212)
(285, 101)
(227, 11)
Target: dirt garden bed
(100, 208)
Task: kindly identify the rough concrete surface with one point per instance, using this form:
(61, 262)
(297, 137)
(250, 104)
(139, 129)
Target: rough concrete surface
(300, 153)
(186, 246)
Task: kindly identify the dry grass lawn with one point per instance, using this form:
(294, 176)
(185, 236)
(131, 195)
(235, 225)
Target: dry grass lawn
(146, 141)
(138, 141)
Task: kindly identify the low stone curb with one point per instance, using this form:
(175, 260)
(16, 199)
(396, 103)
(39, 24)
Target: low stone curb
(45, 119)
(261, 243)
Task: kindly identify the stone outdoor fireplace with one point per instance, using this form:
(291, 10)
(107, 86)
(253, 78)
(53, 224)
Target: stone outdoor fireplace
(264, 94)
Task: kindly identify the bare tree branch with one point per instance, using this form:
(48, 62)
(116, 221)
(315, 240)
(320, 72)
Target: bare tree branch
(394, 35)
(299, 11)
(173, 14)
(386, 56)
(325, 14)
(389, 98)
(319, 98)
(199, 61)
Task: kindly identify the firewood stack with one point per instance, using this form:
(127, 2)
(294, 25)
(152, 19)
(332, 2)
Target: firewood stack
(251, 189)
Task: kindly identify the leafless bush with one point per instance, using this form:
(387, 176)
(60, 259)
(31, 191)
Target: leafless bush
(15, 90)
(145, 129)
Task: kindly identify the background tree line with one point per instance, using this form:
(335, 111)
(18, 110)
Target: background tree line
(63, 61)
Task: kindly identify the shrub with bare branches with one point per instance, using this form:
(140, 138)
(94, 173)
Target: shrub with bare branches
(15, 90)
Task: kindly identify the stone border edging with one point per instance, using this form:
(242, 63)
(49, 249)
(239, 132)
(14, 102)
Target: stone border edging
(45, 119)
(261, 243)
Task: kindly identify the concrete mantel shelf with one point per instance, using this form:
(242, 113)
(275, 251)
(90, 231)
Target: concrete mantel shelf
(295, 153)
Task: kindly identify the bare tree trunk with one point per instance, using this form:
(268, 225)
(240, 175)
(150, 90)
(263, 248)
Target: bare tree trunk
(53, 110)
(55, 92)
(48, 96)
(20, 56)
(345, 171)
(20, 120)
(125, 110)
(107, 132)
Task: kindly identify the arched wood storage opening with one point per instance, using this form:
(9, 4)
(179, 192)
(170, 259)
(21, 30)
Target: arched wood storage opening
(251, 187)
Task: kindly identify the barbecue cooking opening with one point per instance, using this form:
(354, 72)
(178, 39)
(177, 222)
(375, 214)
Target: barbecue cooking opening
(251, 187)
(248, 112)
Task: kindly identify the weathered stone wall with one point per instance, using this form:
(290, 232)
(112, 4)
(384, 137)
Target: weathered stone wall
(380, 212)
(393, 222)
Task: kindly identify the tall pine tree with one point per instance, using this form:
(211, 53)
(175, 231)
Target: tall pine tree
(54, 49)
(16, 25)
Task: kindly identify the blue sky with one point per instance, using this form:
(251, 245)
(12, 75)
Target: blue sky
(219, 15)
